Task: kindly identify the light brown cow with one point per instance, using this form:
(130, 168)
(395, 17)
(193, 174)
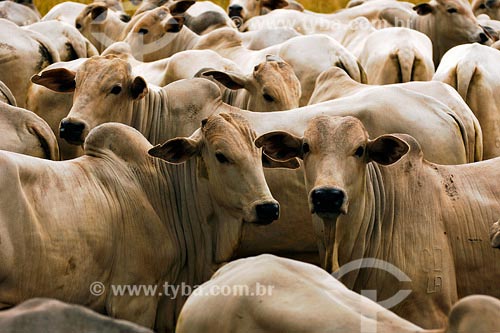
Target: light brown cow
(272, 86)
(25, 133)
(447, 23)
(267, 294)
(335, 83)
(488, 7)
(428, 220)
(134, 219)
(22, 54)
(473, 71)
(41, 315)
(495, 234)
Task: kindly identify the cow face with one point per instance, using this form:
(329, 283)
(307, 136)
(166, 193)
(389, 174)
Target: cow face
(273, 85)
(454, 20)
(242, 10)
(104, 89)
(230, 163)
(156, 30)
(335, 151)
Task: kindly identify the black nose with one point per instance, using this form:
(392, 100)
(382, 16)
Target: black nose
(72, 131)
(327, 200)
(235, 11)
(483, 37)
(267, 213)
(490, 3)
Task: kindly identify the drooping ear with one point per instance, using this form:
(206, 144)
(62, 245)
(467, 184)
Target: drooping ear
(274, 4)
(180, 7)
(57, 79)
(174, 24)
(176, 151)
(231, 80)
(387, 149)
(138, 88)
(280, 146)
(423, 9)
(268, 162)
(99, 13)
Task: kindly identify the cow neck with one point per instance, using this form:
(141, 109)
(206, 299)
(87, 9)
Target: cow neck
(359, 232)
(148, 113)
(184, 40)
(424, 25)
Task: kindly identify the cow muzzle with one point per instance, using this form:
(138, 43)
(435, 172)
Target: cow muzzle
(328, 201)
(264, 213)
(73, 131)
(235, 11)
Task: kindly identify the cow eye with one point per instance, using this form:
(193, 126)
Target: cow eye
(78, 26)
(305, 148)
(221, 158)
(451, 10)
(359, 152)
(116, 90)
(268, 98)
(143, 31)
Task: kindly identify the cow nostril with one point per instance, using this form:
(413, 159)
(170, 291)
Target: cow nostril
(327, 200)
(483, 37)
(267, 212)
(72, 131)
(235, 10)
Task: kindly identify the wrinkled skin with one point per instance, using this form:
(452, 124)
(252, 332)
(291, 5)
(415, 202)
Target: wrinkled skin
(370, 206)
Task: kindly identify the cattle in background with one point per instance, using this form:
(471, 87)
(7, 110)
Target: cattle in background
(369, 206)
(68, 11)
(282, 295)
(42, 315)
(495, 234)
(19, 13)
(473, 71)
(157, 223)
(488, 7)
(22, 54)
(242, 10)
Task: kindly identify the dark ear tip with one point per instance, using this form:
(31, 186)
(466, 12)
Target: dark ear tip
(259, 142)
(154, 151)
(204, 122)
(35, 78)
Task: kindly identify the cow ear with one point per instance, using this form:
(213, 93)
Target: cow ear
(180, 7)
(99, 13)
(230, 80)
(57, 79)
(268, 162)
(495, 234)
(139, 88)
(274, 4)
(423, 9)
(280, 146)
(176, 151)
(387, 149)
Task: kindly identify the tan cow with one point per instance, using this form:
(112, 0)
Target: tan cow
(18, 13)
(267, 294)
(488, 7)
(22, 54)
(495, 234)
(473, 71)
(335, 83)
(25, 133)
(118, 216)
(397, 55)
(447, 23)
(68, 41)
(176, 110)
(427, 220)
(41, 315)
(272, 86)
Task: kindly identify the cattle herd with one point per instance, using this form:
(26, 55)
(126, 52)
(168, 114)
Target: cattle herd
(175, 166)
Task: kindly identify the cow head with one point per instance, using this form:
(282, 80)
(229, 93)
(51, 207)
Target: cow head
(336, 151)
(156, 30)
(273, 85)
(232, 165)
(488, 7)
(451, 23)
(242, 10)
(104, 89)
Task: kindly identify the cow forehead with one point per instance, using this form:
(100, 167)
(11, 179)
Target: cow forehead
(232, 130)
(335, 132)
(455, 3)
(107, 67)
